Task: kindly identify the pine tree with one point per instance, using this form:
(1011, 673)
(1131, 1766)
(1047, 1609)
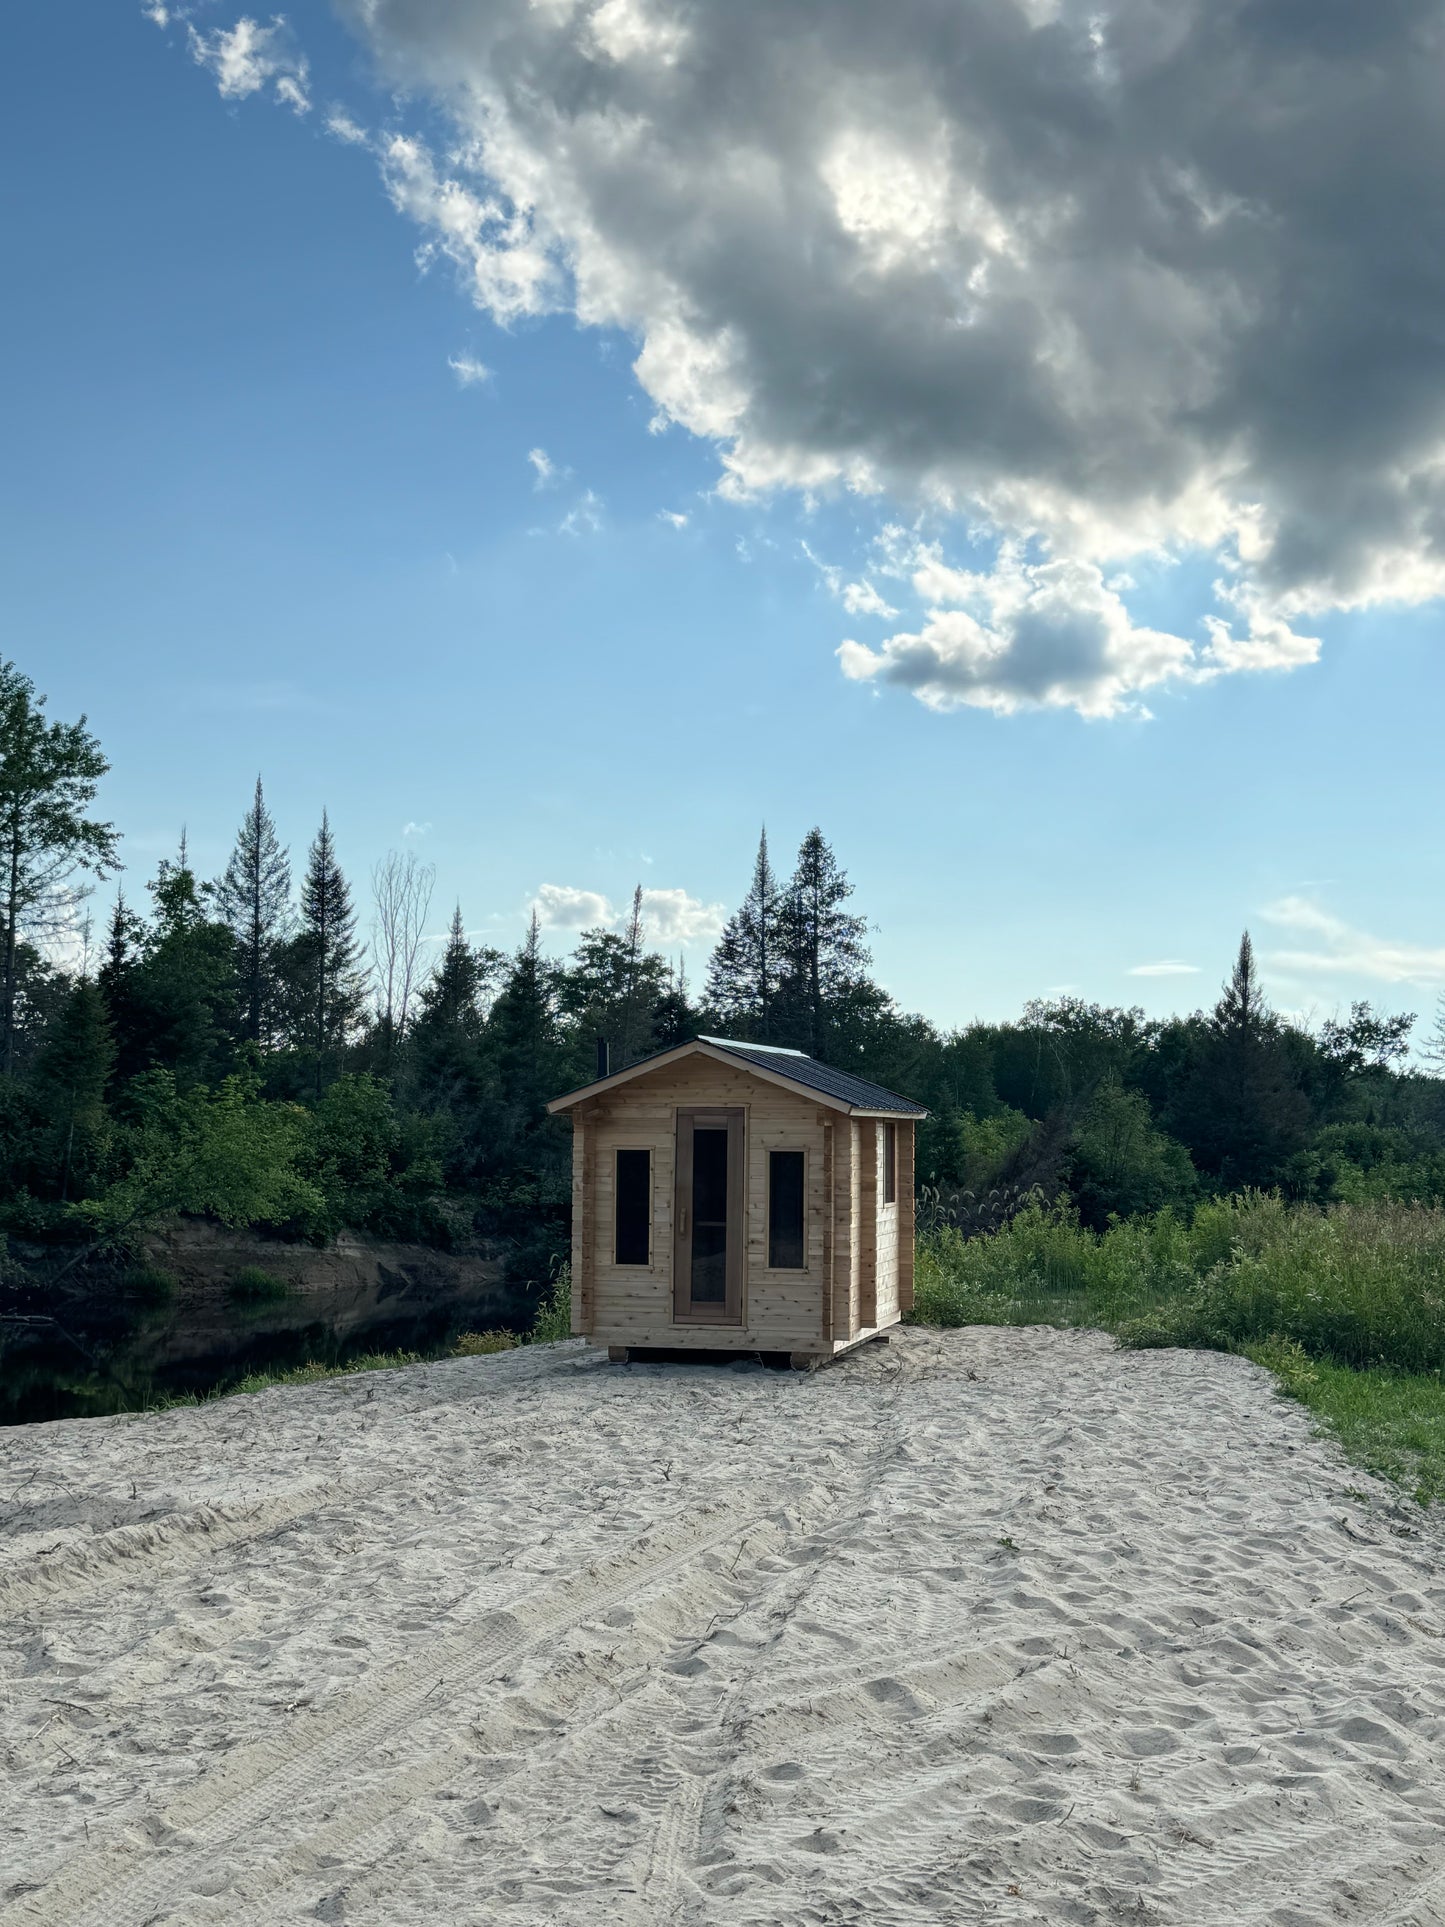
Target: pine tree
(321, 965)
(1240, 1109)
(1242, 1010)
(117, 980)
(826, 959)
(743, 972)
(48, 777)
(454, 996)
(185, 982)
(523, 1030)
(254, 898)
(71, 1077)
(609, 990)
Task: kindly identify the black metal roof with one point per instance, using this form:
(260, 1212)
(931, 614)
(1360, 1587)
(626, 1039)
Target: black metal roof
(801, 1069)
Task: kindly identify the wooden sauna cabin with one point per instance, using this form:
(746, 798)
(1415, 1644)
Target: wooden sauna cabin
(738, 1197)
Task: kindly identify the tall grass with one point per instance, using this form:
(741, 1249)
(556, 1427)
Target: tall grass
(1360, 1285)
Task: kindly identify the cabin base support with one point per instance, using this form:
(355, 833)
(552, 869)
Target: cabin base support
(618, 1354)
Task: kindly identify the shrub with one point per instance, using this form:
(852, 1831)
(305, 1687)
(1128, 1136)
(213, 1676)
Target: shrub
(480, 1344)
(253, 1285)
(1363, 1285)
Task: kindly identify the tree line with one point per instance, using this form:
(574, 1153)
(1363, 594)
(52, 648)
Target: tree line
(235, 1047)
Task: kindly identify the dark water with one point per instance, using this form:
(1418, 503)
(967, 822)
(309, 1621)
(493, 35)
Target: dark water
(93, 1356)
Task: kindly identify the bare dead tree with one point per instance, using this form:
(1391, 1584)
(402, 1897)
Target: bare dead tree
(402, 891)
(626, 1052)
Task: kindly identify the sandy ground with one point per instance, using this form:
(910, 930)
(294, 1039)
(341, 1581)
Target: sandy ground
(996, 1626)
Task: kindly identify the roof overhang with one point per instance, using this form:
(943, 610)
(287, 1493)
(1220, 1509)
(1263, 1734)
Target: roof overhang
(698, 1047)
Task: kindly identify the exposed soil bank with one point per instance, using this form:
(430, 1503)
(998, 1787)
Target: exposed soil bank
(103, 1350)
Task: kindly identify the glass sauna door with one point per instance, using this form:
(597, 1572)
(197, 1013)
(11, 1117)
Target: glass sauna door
(710, 1232)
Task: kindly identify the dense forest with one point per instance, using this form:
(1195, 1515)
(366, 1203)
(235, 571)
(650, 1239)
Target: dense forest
(265, 1049)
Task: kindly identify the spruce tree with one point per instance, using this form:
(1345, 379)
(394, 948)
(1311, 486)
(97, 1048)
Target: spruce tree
(1240, 1109)
(609, 989)
(117, 980)
(322, 963)
(184, 984)
(254, 898)
(743, 972)
(523, 1031)
(826, 960)
(453, 998)
(71, 1077)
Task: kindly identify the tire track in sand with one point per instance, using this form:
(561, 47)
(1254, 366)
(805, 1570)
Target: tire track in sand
(100, 1888)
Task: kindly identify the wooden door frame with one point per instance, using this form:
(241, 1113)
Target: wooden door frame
(732, 1119)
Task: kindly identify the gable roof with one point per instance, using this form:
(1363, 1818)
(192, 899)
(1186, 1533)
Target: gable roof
(839, 1090)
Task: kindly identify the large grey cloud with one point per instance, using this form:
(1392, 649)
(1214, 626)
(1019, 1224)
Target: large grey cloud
(1157, 275)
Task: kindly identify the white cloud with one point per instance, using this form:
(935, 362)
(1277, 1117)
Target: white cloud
(1341, 950)
(560, 907)
(542, 466)
(584, 516)
(1168, 968)
(858, 598)
(672, 916)
(1036, 267)
(244, 58)
(415, 829)
(470, 372)
(673, 517)
(157, 11)
(668, 916)
(1048, 635)
(340, 124)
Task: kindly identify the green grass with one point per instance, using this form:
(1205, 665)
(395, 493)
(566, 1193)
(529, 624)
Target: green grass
(254, 1286)
(147, 1285)
(1345, 1306)
(1391, 1423)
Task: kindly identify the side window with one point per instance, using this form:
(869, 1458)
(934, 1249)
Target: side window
(890, 1163)
(786, 1243)
(632, 1231)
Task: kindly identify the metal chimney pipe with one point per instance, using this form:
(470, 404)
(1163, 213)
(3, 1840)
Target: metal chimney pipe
(604, 1058)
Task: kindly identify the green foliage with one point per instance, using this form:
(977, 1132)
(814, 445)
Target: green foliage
(49, 773)
(254, 1285)
(483, 1344)
(986, 1144)
(1121, 1164)
(226, 1154)
(1363, 1286)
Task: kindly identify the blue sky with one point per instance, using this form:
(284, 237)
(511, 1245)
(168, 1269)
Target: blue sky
(257, 516)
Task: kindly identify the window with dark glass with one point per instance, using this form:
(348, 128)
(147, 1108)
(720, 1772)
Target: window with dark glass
(785, 1210)
(890, 1163)
(634, 1207)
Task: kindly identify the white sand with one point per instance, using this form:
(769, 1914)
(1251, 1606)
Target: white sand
(999, 1626)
